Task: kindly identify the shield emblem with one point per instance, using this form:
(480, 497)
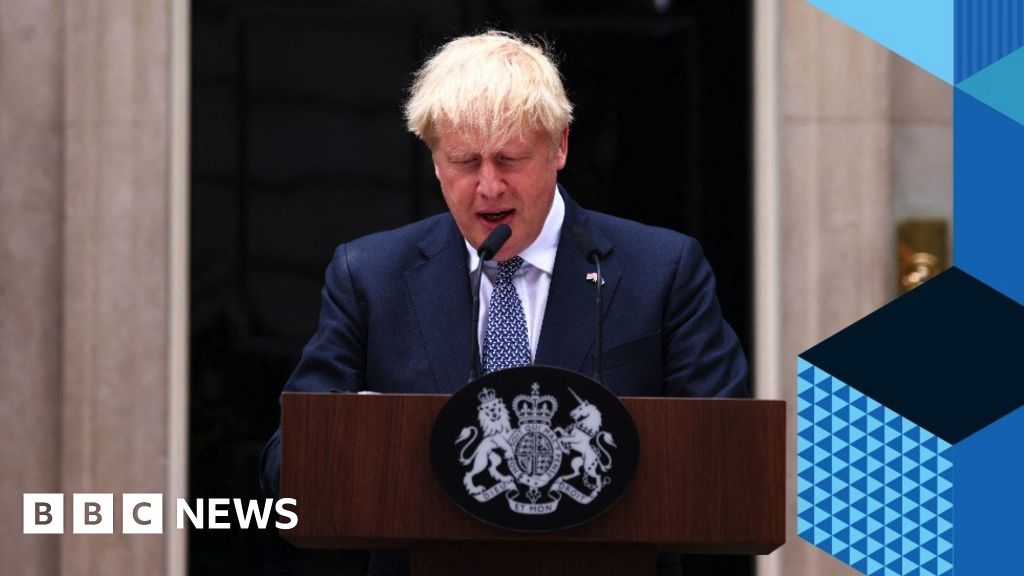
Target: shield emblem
(534, 448)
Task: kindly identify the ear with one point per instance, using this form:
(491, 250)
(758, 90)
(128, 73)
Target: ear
(433, 160)
(562, 153)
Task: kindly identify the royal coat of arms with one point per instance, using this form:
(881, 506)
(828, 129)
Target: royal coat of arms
(534, 464)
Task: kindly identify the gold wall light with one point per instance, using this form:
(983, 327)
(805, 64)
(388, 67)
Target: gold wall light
(922, 251)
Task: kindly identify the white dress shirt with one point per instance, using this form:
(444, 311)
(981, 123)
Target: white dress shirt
(533, 279)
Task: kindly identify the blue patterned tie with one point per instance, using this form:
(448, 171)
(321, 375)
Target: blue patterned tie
(506, 343)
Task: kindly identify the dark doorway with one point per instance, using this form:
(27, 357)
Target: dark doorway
(298, 144)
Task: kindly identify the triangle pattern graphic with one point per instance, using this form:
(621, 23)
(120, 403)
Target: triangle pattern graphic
(890, 519)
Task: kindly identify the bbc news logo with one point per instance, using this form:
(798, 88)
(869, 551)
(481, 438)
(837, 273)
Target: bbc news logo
(143, 513)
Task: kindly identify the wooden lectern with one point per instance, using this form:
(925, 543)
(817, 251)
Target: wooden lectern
(711, 480)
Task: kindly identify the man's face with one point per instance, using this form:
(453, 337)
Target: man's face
(513, 185)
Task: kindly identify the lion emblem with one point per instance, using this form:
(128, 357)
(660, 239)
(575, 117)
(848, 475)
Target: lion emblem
(496, 425)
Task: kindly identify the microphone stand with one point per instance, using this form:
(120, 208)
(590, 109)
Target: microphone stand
(600, 319)
(475, 321)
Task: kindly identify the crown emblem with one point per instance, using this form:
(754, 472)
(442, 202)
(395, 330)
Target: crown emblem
(486, 395)
(535, 409)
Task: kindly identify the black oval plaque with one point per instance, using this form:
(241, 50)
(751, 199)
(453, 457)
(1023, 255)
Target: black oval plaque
(534, 448)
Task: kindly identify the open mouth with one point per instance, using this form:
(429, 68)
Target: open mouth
(496, 216)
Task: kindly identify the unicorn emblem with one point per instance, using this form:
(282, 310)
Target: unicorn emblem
(585, 438)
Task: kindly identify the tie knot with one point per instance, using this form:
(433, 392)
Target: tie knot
(507, 269)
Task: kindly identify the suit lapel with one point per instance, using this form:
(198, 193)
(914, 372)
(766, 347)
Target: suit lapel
(567, 335)
(439, 289)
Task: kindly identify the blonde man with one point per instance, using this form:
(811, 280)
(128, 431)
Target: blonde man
(493, 112)
(396, 305)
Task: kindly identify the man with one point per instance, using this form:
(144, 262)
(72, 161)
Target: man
(396, 305)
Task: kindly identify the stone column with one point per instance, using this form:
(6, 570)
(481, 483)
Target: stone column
(831, 229)
(116, 266)
(92, 274)
(31, 268)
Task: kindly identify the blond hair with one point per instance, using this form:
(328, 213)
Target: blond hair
(494, 84)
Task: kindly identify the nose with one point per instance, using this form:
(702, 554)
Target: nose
(491, 182)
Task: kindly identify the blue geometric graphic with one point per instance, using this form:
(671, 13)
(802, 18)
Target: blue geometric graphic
(1001, 85)
(915, 354)
(874, 489)
(988, 204)
(989, 508)
(986, 30)
(931, 383)
(919, 30)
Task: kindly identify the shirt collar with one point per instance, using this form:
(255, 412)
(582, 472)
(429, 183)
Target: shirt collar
(541, 252)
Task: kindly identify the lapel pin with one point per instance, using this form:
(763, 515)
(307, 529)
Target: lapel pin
(592, 277)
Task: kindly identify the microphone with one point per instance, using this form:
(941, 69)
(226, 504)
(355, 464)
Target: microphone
(494, 241)
(491, 246)
(592, 254)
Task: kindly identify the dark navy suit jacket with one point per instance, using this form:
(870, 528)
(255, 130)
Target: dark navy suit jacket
(396, 314)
